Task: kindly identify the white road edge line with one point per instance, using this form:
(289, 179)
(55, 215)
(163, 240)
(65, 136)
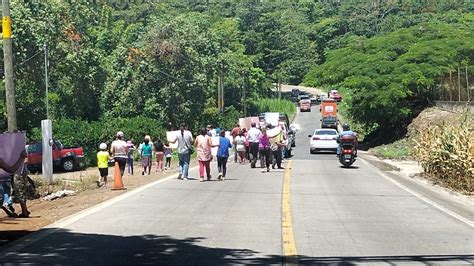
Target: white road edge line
(33, 237)
(423, 198)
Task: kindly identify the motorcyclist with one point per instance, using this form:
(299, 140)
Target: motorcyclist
(346, 131)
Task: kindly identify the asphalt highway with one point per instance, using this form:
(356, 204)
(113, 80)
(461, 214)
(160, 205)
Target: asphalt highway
(336, 215)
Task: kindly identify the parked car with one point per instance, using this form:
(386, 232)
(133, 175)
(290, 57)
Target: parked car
(64, 158)
(323, 139)
(313, 99)
(329, 122)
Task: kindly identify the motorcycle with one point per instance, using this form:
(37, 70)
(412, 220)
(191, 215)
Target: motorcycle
(347, 156)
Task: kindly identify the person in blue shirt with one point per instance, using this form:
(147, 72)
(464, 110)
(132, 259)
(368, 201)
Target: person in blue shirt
(346, 130)
(223, 155)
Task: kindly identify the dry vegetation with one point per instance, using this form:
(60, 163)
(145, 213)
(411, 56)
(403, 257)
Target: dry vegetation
(445, 149)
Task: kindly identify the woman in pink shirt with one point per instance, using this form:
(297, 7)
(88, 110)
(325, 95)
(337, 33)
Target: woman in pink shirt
(264, 150)
(203, 145)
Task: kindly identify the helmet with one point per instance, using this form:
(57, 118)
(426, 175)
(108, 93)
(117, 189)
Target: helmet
(346, 127)
(103, 146)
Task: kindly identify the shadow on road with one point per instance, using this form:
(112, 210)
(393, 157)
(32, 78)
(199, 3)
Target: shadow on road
(66, 247)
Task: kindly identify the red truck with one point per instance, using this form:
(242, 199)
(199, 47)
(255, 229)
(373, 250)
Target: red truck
(64, 158)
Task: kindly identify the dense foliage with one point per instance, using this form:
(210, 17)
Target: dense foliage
(160, 60)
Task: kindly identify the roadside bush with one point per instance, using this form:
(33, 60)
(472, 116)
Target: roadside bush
(90, 134)
(446, 153)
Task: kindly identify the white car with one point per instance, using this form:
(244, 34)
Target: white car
(323, 139)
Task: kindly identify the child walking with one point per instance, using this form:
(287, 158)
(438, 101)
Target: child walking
(223, 155)
(168, 152)
(103, 165)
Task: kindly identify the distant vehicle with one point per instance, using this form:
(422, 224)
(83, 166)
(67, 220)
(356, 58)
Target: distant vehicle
(334, 94)
(64, 158)
(303, 97)
(323, 139)
(313, 99)
(305, 105)
(328, 107)
(295, 92)
(329, 122)
(321, 97)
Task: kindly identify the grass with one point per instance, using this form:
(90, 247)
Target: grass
(276, 105)
(399, 150)
(85, 183)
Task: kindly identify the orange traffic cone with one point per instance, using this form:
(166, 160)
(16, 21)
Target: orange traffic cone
(118, 184)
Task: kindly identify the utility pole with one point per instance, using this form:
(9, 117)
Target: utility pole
(450, 86)
(244, 93)
(46, 65)
(8, 66)
(459, 85)
(467, 86)
(279, 87)
(221, 99)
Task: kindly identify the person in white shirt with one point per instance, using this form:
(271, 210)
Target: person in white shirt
(253, 137)
(119, 150)
(185, 140)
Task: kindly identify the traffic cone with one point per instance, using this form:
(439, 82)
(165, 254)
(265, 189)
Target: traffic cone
(118, 184)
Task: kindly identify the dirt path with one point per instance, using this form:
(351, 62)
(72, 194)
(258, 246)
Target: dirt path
(44, 213)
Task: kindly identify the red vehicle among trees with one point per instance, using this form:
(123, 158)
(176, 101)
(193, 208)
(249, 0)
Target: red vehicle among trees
(64, 158)
(335, 95)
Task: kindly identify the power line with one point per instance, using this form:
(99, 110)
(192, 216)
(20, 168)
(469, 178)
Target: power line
(27, 60)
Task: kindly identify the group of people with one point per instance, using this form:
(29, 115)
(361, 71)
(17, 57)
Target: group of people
(248, 145)
(123, 153)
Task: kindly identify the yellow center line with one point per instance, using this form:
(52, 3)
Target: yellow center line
(289, 246)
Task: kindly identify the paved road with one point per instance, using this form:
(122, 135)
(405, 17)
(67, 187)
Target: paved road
(338, 215)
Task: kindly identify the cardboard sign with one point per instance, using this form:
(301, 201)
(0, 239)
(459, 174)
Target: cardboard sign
(12, 145)
(171, 136)
(273, 132)
(272, 118)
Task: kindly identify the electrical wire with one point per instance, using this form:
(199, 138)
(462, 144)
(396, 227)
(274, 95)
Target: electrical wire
(27, 60)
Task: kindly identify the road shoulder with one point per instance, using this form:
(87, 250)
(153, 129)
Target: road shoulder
(448, 201)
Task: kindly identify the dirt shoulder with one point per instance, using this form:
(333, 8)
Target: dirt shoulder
(44, 213)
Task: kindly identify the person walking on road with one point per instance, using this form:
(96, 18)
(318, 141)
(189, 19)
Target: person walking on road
(146, 152)
(203, 145)
(253, 137)
(240, 147)
(119, 151)
(103, 165)
(131, 151)
(223, 155)
(159, 154)
(276, 147)
(235, 133)
(185, 140)
(168, 154)
(264, 150)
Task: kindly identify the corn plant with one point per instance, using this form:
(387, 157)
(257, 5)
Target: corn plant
(446, 153)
